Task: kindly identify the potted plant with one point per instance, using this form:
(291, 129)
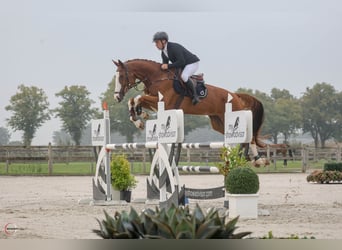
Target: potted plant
(121, 177)
(232, 157)
(242, 185)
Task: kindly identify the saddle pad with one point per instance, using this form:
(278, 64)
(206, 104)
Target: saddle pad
(200, 87)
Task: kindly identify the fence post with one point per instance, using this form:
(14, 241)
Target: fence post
(274, 150)
(7, 161)
(338, 153)
(144, 160)
(50, 160)
(304, 158)
(188, 155)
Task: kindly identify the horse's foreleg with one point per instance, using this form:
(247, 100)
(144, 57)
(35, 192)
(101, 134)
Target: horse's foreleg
(139, 108)
(149, 102)
(132, 111)
(257, 160)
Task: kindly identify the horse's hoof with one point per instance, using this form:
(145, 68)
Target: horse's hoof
(260, 162)
(145, 115)
(255, 164)
(267, 162)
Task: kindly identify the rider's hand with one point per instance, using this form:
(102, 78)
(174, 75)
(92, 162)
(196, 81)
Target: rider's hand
(164, 66)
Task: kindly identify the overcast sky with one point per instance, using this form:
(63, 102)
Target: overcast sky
(251, 44)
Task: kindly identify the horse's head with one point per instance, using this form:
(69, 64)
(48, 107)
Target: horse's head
(124, 80)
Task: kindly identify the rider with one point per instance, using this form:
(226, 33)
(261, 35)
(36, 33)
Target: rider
(180, 58)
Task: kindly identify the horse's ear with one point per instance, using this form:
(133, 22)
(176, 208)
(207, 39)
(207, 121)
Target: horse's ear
(121, 63)
(116, 63)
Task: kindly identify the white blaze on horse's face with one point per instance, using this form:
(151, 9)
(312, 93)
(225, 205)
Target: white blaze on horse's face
(117, 87)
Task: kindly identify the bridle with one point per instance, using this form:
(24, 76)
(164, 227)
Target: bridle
(136, 83)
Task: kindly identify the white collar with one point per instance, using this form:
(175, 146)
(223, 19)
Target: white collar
(165, 50)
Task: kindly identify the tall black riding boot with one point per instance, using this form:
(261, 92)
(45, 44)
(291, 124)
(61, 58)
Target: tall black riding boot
(195, 98)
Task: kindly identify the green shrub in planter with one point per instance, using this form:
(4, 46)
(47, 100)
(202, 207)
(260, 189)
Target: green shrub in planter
(242, 180)
(121, 173)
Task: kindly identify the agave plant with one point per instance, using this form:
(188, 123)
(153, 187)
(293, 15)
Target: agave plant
(172, 223)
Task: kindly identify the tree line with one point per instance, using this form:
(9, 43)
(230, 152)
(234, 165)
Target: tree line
(318, 112)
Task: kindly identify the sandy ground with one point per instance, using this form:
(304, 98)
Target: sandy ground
(49, 208)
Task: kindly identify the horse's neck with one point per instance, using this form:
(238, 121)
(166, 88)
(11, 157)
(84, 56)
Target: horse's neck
(155, 77)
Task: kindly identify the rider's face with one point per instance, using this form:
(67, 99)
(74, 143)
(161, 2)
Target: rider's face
(159, 44)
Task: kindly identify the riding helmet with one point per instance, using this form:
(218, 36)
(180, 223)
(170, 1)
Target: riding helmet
(161, 35)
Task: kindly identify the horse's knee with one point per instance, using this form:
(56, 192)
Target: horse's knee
(138, 123)
(144, 115)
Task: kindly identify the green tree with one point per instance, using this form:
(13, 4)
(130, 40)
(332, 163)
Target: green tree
(4, 136)
(75, 110)
(337, 134)
(192, 122)
(30, 110)
(286, 114)
(321, 112)
(61, 138)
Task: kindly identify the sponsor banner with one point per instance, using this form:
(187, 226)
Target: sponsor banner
(170, 126)
(238, 127)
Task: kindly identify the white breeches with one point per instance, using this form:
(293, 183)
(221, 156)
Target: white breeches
(189, 70)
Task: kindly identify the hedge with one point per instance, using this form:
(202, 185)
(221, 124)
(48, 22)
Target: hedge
(320, 176)
(333, 166)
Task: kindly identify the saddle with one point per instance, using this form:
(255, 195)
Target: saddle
(198, 81)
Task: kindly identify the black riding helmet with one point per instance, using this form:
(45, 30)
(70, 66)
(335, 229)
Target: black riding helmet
(161, 35)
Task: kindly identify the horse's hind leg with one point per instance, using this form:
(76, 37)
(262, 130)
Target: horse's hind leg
(245, 150)
(257, 160)
(217, 123)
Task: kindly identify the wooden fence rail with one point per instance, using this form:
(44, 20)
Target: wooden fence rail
(66, 154)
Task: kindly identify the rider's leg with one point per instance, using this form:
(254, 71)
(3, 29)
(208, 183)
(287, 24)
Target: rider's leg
(188, 71)
(189, 84)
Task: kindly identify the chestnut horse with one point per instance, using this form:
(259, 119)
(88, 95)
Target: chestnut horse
(283, 149)
(132, 72)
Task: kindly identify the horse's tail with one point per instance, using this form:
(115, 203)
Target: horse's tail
(258, 116)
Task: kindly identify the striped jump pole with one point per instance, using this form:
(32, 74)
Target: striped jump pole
(141, 145)
(199, 169)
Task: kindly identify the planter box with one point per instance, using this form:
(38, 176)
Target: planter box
(115, 194)
(243, 205)
(126, 195)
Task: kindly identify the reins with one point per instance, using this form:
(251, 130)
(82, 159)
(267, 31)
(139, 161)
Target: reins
(170, 76)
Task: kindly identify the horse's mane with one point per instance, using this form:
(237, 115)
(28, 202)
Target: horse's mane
(144, 60)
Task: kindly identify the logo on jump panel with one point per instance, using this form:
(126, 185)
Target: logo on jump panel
(97, 133)
(165, 129)
(152, 134)
(234, 131)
